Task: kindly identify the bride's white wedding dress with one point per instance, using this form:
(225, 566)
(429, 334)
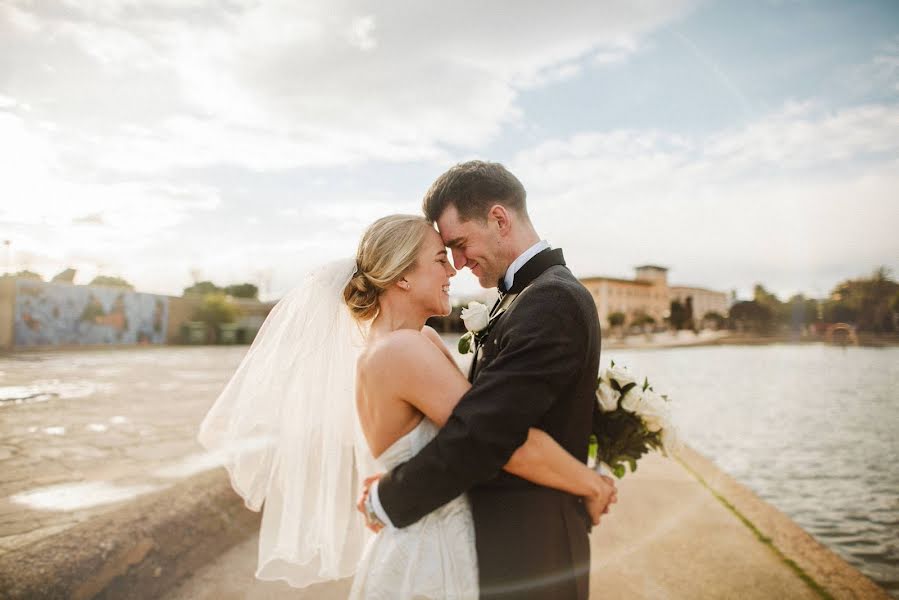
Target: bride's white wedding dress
(433, 558)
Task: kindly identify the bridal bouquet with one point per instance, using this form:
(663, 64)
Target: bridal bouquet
(635, 419)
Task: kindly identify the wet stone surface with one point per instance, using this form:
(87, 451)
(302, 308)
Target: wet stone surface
(83, 431)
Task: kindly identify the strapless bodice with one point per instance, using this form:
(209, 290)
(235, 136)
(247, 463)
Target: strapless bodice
(408, 445)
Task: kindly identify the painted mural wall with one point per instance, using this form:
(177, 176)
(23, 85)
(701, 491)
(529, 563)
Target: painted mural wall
(62, 314)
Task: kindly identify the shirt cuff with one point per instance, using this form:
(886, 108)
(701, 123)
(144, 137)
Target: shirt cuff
(376, 505)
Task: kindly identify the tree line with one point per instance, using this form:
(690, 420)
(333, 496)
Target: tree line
(200, 288)
(68, 276)
(870, 304)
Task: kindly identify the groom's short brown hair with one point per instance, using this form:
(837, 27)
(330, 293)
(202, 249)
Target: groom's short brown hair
(473, 187)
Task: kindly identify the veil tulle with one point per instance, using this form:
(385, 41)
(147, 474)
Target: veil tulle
(286, 429)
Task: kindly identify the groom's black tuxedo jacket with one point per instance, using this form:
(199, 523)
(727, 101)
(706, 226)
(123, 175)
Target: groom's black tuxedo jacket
(537, 367)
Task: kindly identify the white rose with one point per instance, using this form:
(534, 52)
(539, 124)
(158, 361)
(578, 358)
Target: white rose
(604, 375)
(607, 397)
(632, 400)
(654, 410)
(620, 375)
(475, 316)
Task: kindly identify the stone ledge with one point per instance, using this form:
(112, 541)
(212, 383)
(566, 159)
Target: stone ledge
(828, 570)
(137, 551)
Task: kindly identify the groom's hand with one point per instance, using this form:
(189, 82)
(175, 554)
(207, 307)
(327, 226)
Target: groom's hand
(361, 505)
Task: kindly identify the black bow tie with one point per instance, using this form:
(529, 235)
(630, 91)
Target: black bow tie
(501, 285)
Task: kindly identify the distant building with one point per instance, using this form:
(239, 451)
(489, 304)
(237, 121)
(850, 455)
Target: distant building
(704, 301)
(649, 295)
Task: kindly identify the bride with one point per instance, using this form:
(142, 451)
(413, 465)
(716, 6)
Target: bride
(298, 431)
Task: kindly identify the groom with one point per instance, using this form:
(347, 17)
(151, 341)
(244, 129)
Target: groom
(536, 367)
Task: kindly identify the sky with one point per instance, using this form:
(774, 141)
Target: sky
(166, 141)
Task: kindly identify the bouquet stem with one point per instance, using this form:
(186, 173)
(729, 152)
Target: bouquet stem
(603, 469)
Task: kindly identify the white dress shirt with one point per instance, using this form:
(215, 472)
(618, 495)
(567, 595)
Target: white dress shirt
(519, 262)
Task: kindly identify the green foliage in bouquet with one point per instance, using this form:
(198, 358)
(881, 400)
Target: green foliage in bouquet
(623, 440)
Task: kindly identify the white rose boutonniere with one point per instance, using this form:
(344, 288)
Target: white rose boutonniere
(476, 318)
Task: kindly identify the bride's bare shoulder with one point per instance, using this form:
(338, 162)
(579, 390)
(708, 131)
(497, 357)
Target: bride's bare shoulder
(397, 343)
(431, 334)
(399, 349)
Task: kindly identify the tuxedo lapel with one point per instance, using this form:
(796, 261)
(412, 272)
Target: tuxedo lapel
(539, 263)
(530, 270)
(496, 304)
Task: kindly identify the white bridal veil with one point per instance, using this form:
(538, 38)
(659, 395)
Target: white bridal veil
(286, 430)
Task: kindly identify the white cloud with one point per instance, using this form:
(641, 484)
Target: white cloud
(56, 219)
(121, 121)
(616, 52)
(119, 98)
(281, 84)
(795, 199)
(20, 19)
(879, 75)
(795, 139)
(361, 33)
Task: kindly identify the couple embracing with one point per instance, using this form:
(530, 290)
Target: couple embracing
(473, 486)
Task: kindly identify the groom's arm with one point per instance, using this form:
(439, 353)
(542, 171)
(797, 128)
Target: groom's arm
(543, 349)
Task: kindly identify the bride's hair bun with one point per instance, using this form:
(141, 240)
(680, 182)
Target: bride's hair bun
(362, 297)
(388, 250)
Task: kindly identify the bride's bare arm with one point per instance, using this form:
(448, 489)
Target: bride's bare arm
(542, 460)
(423, 378)
(435, 338)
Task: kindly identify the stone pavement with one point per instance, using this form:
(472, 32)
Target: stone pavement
(669, 537)
(83, 432)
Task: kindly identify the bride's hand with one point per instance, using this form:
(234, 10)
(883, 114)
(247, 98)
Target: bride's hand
(360, 505)
(599, 503)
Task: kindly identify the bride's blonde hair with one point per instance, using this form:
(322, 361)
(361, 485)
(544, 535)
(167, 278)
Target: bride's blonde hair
(387, 251)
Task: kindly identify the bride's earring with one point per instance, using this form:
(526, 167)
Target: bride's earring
(404, 285)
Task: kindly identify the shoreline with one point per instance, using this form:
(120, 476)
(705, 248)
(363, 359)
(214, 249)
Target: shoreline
(825, 572)
(662, 340)
(688, 339)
